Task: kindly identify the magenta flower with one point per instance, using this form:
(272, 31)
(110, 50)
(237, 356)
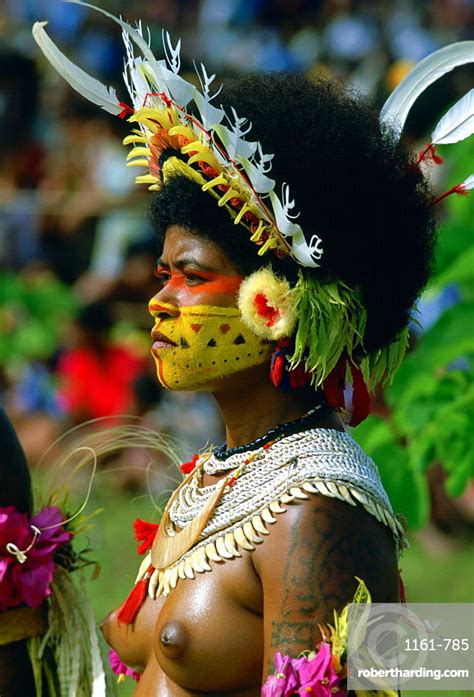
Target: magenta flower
(119, 668)
(285, 680)
(316, 676)
(29, 582)
(304, 676)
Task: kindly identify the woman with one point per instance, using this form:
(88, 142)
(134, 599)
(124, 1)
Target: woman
(268, 533)
(219, 631)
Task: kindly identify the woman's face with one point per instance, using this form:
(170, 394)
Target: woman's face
(199, 336)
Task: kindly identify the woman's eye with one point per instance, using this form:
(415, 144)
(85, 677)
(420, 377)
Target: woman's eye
(162, 276)
(192, 279)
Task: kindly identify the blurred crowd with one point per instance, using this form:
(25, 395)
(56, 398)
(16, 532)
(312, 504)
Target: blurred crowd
(76, 251)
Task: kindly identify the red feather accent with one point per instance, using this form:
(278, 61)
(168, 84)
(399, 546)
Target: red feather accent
(126, 110)
(298, 376)
(144, 533)
(429, 153)
(334, 384)
(188, 467)
(277, 370)
(360, 397)
(458, 189)
(133, 603)
(401, 585)
(265, 310)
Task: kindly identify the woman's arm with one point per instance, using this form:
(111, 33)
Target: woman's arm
(308, 565)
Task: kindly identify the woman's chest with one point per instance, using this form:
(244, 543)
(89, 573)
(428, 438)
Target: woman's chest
(206, 636)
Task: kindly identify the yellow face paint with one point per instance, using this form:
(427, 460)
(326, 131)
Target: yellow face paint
(196, 344)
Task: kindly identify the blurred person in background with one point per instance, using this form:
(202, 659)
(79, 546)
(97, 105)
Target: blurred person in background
(95, 375)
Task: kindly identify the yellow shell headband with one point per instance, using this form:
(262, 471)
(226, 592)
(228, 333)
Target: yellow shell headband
(217, 156)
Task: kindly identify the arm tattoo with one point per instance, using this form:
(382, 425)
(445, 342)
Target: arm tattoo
(318, 575)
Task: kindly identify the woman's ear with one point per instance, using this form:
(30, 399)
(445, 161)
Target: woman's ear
(267, 305)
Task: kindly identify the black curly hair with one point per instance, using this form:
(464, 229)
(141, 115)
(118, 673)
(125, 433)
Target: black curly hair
(353, 183)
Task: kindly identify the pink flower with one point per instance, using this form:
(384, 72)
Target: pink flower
(306, 677)
(316, 676)
(119, 668)
(29, 582)
(284, 682)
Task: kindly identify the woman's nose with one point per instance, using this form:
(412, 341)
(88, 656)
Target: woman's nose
(161, 310)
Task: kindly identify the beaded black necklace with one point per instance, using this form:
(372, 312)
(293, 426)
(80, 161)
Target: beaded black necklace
(319, 411)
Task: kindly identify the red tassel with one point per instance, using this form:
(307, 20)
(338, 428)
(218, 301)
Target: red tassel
(401, 585)
(334, 384)
(188, 467)
(144, 533)
(298, 376)
(133, 603)
(277, 370)
(360, 397)
(458, 189)
(429, 153)
(265, 310)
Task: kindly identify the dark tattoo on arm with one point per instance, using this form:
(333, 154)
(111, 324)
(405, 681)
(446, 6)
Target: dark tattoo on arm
(318, 575)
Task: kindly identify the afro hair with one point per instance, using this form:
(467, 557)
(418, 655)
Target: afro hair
(354, 184)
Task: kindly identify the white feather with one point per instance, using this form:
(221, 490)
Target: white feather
(457, 124)
(134, 34)
(396, 108)
(236, 147)
(306, 255)
(91, 88)
(180, 89)
(173, 57)
(468, 183)
(260, 182)
(281, 210)
(210, 115)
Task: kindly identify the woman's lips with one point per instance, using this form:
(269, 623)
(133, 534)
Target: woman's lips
(160, 341)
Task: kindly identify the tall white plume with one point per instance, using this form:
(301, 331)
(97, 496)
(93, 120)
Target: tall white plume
(90, 88)
(468, 183)
(457, 124)
(396, 108)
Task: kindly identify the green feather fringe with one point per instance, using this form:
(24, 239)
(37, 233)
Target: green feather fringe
(331, 322)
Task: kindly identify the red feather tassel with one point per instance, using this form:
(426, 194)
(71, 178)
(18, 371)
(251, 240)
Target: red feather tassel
(429, 153)
(277, 370)
(188, 467)
(334, 385)
(458, 189)
(401, 585)
(360, 397)
(144, 533)
(133, 603)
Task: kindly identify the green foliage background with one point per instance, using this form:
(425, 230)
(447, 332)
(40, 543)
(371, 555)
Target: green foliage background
(431, 398)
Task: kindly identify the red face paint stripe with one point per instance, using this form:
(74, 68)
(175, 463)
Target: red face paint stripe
(158, 307)
(213, 282)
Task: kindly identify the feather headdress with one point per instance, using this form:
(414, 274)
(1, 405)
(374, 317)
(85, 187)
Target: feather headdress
(216, 153)
(172, 113)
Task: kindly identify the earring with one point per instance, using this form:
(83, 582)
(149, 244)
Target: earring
(282, 376)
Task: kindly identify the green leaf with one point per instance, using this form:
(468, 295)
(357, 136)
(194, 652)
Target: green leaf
(373, 433)
(407, 489)
(449, 339)
(461, 269)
